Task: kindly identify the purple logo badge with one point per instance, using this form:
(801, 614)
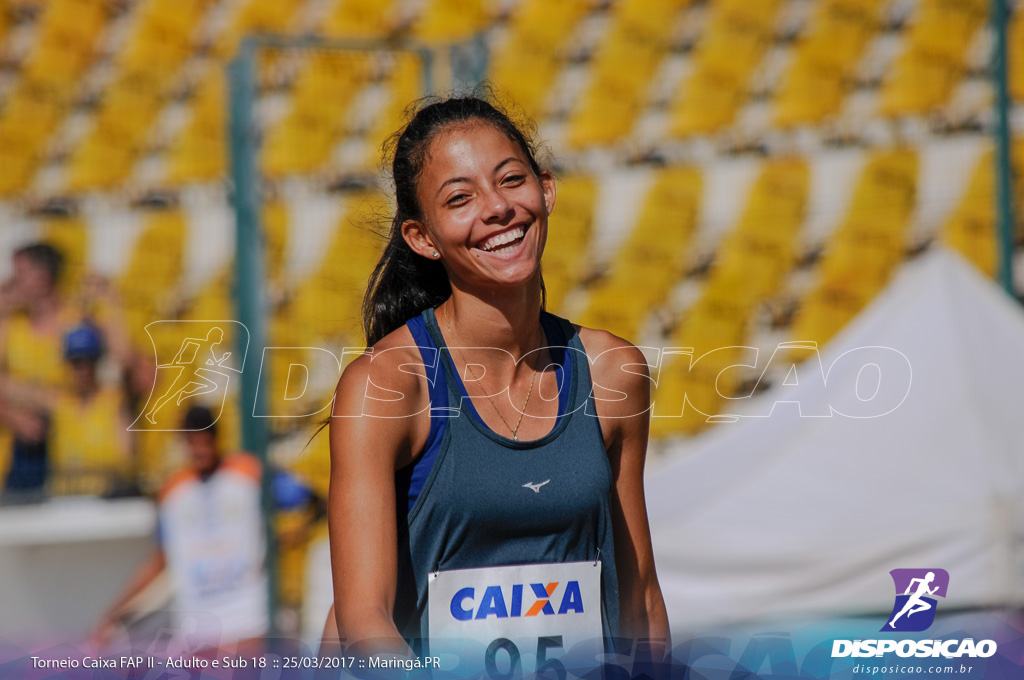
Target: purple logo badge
(916, 590)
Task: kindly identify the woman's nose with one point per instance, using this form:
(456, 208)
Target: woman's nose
(498, 207)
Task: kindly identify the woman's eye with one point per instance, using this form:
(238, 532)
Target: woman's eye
(457, 199)
(515, 179)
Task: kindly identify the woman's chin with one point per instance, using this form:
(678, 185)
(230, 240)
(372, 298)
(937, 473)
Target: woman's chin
(511, 276)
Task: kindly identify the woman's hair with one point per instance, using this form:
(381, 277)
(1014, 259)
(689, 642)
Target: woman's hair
(403, 283)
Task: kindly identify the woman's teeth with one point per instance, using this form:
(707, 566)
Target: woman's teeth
(503, 242)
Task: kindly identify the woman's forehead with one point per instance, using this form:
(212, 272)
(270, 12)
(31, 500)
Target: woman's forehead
(472, 147)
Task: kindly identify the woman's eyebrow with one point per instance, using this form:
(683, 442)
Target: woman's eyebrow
(505, 162)
(452, 180)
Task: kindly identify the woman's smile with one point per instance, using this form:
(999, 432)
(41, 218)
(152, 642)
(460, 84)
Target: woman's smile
(505, 243)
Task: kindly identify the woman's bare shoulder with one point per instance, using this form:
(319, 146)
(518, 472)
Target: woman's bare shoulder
(388, 379)
(610, 354)
(620, 374)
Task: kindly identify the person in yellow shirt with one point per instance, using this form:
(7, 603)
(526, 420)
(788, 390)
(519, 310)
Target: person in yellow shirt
(34, 318)
(90, 446)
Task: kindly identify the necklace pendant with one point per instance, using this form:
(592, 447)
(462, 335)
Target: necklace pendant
(515, 438)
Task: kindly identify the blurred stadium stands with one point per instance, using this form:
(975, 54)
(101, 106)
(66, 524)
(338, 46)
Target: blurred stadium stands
(730, 172)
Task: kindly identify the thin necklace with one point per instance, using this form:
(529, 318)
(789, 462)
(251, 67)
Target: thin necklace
(469, 367)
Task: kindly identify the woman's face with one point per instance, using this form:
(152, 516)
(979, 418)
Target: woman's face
(484, 211)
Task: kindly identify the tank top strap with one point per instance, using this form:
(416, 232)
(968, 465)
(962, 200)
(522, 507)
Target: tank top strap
(431, 356)
(444, 361)
(577, 356)
(411, 479)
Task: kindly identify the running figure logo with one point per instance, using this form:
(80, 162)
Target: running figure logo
(201, 365)
(914, 609)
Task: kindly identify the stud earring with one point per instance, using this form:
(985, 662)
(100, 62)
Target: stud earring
(435, 254)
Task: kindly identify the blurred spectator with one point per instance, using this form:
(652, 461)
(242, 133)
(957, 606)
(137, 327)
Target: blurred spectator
(211, 542)
(89, 446)
(34, 318)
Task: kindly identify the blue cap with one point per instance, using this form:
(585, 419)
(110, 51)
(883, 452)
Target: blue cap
(83, 342)
(289, 491)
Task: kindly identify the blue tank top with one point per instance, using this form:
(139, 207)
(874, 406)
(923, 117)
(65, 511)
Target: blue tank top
(462, 502)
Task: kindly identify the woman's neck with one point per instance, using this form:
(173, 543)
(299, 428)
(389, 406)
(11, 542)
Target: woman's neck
(507, 321)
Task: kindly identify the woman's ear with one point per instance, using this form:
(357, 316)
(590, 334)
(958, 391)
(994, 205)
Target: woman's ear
(547, 185)
(415, 234)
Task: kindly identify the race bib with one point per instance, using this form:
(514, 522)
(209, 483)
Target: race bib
(524, 615)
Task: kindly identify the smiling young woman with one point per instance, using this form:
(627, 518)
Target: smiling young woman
(541, 476)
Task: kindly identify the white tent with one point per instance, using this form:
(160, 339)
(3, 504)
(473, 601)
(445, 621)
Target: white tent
(783, 516)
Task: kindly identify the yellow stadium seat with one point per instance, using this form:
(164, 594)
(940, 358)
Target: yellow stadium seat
(451, 20)
(692, 387)
(159, 42)
(761, 248)
(199, 153)
(275, 233)
(360, 19)
(821, 315)
(66, 41)
(215, 301)
(945, 28)
(865, 249)
(15, 168)
(329, 301)
(624, 66)
(809, 93)
(149, 281)
(304, 139)
(749, 267)
(970, 230)
(971, 226)
(256, 16)
(298, 145)
(821, 72)
(104, 159)
(526, 65)
(737, 35)
(284, 331)
(64, 46)
(650, 262)
(917, 84)
(707, 102)
(934, 55)
(1015, 55)
(26, 121)
(405, 86)
(569, 228)
(884, 195)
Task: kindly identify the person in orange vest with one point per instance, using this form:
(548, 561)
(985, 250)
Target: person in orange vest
(211, 543)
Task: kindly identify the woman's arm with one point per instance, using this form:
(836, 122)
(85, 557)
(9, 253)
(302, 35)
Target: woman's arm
(369, 438)
(622, 392)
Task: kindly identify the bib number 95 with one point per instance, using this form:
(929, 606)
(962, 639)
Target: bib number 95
(503, 660)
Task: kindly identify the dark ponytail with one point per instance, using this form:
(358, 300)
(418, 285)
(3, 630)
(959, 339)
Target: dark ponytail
(403, 283)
